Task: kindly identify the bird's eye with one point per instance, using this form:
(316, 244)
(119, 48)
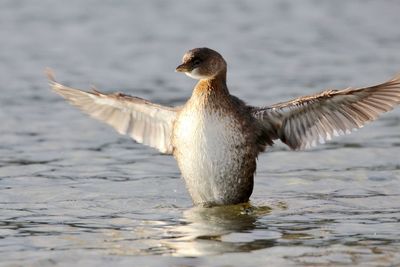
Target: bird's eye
(196, 62)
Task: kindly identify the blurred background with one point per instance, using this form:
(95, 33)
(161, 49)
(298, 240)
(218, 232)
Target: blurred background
(72, 191)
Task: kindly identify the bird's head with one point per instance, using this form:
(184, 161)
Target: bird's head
(202, 63)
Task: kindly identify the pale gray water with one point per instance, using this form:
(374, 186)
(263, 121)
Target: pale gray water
(73, 192)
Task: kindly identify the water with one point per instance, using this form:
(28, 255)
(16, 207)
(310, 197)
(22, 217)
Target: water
(73, 192)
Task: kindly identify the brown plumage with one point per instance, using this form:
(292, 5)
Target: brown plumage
(216, 138)
(309, 120)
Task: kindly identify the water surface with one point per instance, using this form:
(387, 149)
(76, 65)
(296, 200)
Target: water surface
(73, 192)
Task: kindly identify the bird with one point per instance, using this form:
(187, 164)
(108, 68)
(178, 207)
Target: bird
(216, 137)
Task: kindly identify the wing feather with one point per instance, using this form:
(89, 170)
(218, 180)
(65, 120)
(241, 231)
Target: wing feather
(307, 121)
(147, 123)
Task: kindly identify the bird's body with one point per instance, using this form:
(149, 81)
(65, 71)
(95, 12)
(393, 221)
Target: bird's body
(216, 138)
(211, 131)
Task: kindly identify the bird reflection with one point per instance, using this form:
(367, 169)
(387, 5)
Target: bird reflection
(217, 230)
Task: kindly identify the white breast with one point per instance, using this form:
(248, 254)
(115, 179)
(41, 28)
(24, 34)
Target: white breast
(210, 148)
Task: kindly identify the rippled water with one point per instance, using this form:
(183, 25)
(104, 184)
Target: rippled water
(73, 192)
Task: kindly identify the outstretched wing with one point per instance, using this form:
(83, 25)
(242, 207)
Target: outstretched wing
(147, 123)
(307, 121)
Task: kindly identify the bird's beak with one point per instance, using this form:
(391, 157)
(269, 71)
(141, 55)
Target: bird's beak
(183, 68)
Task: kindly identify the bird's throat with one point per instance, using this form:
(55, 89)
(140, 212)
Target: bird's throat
(215, 86)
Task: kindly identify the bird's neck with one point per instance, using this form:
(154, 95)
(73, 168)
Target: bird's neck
(215, 86)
